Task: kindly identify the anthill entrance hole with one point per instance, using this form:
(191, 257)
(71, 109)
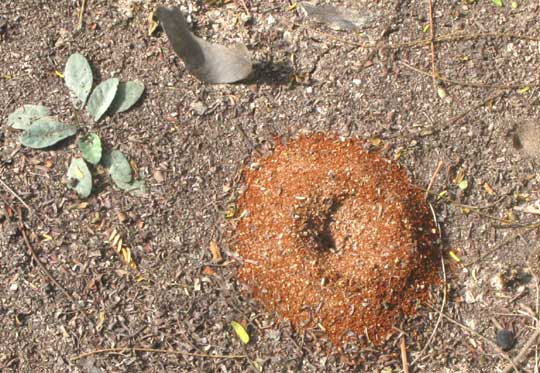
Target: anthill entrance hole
(318, 219)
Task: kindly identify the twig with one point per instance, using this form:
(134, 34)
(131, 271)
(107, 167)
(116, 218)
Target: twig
(432, 44)
(452, 36)
(246, 9)
(120, 350)
(404, 361)
(81, 15)
(42, 267)
(435, 173)
(478, 106)
(502, 244)
(472, 84)
(15, 195)
(485, 339)
(523, 352)
(443, 302)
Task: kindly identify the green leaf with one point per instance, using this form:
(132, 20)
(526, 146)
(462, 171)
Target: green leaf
(24, 116)
(45, 132)
(80, 177)
(78, 78)
(102, 97)
(136, 187)
(118, 167)
(240, 332)
(90, 146)
(127, 95)
(463, 184)
(497, 2)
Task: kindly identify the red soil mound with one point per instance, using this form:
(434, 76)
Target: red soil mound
(336, 238)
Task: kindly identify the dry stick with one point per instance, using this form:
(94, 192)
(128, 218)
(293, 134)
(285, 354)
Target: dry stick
(472, 84)
(502, 244)
(485, 339)
(523, 352)
(435, 173)
(443, 302)
(432, 44)
(452, 36)
(120, 350)
(42, 267)
(466, 112)
(404, 361)
(15, 195)
(81, 15)
(457, 36)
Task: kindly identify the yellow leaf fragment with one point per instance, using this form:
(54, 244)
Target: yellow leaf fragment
(152, 24)
(488, 188)
(101, 320)
(47, 237)
(454, 256)
(126, 255)
(59, 74)
(240, 332)
(113, 235)
(231, 211)
(441, 92)
(216, 253)
(375, 141)
(524, 90)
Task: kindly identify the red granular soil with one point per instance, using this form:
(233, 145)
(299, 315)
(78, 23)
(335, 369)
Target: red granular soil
(335, 237)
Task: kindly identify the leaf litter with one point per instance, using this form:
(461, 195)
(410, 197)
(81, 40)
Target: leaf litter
(337, 18)
(211, 63)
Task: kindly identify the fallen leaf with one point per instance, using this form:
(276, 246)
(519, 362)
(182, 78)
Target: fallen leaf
(216, 253)
(531, 208)
(488, 188)
(211, 63)
(240, 332)
(339, 19)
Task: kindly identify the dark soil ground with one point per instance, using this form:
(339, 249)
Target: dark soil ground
(308, 79)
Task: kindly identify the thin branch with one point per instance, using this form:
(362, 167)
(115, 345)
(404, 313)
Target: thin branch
(523, 352)
(443, 302)
(435, 173)
(81, 15)
(503, 243)
(404, 361)
(15, 195)
(471, 84)
(42, 267)
(432, 44)
(485, 339)
(121, 350)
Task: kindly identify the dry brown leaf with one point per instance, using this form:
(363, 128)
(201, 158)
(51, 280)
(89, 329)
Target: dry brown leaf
(211, 63)
(216, 253)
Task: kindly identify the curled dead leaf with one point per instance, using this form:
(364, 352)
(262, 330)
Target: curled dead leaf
(211, 63)
(216, 253)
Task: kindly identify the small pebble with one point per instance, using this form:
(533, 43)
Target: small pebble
(505, 339)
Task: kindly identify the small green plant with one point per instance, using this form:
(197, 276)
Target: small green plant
(41, 130)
